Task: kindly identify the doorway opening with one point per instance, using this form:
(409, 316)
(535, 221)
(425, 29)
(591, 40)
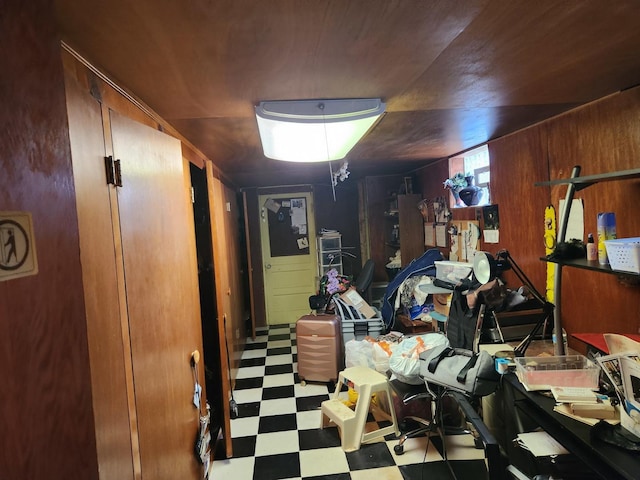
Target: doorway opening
(208, 307)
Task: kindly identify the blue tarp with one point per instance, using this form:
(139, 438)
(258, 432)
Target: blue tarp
(423, 265)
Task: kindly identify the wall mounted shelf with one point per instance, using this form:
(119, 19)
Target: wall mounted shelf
(587, 180)
(588, 265)
(575, 183)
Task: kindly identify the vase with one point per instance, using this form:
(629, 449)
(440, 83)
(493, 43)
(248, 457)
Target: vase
(471, 194)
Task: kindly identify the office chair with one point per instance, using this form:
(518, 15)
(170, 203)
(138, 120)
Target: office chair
(438, 419)
(408, 394)
(466, 415)
(365, 277)
(460, 336)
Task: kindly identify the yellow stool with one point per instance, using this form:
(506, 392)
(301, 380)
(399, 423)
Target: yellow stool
(365, 381)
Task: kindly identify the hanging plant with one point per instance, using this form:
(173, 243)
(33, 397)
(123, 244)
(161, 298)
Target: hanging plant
(342, 174)
(457, 182)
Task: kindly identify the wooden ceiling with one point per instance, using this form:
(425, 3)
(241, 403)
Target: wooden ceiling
(454, 74)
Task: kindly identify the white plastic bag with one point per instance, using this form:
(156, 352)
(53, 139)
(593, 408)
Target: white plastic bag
(405, 359)
(381, 356)
(358, 353)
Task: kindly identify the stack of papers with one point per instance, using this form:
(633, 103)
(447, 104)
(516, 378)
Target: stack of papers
(586, 417)
(583, 404)
(540, 444)
(604, 411)
(574, 395)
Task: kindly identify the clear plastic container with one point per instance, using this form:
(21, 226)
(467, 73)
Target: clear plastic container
(542, 373)
(452, 271)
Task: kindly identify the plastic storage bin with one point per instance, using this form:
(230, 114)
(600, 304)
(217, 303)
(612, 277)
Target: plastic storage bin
(624, 254)
(359, 328)
(452, 271)
(329, 253)
(542, 373)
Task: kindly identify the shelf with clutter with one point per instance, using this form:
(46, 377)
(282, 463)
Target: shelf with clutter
(576, 183)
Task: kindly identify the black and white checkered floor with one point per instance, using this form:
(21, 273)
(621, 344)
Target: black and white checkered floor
(277, 433)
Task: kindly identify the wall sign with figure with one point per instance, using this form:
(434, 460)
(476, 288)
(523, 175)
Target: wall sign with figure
(17, 246)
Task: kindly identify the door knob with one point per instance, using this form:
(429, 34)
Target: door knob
(267, 266)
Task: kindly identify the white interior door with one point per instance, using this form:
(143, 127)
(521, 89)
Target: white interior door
(288, 238)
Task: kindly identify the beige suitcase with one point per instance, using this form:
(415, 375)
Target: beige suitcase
(320, 351)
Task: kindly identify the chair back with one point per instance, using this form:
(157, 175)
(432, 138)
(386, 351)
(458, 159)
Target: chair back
(365, 277)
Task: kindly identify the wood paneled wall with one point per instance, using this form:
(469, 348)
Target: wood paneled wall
(46, 412)
(339, 215)
(46, 415)
(601, 137)
(377, 198)
(515, 166)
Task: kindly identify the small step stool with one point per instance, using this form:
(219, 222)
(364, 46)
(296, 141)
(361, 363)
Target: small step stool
(365, 381)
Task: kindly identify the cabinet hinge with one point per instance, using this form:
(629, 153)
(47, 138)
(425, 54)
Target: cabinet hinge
(113, 171)
(109, 170)
(118, 172)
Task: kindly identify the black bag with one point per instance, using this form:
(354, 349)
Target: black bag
(317, 302)
(459, 369)
(461, 325)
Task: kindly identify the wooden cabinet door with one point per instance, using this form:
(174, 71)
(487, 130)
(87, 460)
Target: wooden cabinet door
(158, 245)
(411, 228)
(140, 285)
(107, 331)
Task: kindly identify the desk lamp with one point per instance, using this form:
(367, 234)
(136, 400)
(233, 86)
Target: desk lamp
(486, 268)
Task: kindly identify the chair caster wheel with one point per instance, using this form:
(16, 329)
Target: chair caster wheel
(399, 449)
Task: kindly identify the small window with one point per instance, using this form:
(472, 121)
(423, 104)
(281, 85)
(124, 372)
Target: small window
(474, 166)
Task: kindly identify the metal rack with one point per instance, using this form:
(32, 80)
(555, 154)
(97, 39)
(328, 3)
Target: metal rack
(329, 253)
(577, 183)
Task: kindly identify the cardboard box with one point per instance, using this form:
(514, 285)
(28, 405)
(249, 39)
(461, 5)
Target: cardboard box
(442, 303)
(353, 298)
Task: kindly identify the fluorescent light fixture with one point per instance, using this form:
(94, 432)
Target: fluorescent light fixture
(315, 130)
